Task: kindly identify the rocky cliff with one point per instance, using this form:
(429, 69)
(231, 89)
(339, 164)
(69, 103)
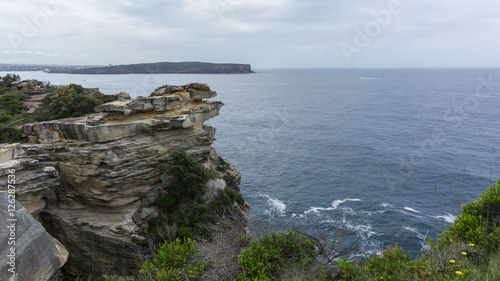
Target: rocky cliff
(94, 181)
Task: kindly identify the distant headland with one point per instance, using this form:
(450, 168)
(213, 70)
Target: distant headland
(142, 68)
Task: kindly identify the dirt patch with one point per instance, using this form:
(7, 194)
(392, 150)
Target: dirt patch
(35, 102)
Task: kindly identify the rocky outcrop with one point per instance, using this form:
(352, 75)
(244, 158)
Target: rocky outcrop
(29, 86)
(29, 252)
(94, 180)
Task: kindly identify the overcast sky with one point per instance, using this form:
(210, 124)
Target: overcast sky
(264, 33)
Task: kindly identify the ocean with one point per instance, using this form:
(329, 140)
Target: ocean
(390, 154)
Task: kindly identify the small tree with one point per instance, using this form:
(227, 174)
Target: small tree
(78, 88)
(8, 79)
(60, 103)
(68, 101)
(85, 104)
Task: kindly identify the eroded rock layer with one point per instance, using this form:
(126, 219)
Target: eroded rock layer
(95, 179)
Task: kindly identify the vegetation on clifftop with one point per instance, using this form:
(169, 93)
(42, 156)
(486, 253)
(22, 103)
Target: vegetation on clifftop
(183, 210)
(10, 109)
(57, 103)
(69, 101)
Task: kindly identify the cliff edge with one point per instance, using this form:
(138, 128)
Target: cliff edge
(94, 181)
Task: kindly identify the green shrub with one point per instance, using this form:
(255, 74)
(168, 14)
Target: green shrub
(350, 270)
(174, 261)
(478, 222)
(221, 168)
(10, 103)
(190, 175)
(154, 223)
(85, 104)
(61, 116)
(69, 101)
(184, 204)
(392, 264)
(167, 203)
(184, 232)
(41, 114)
(229, 180)
(227, 197)
(5, 117)
(20, 96)
(118, 278)
(7, 80)
(267, 257)
(10, 134)
(78, 88)
(60, 103)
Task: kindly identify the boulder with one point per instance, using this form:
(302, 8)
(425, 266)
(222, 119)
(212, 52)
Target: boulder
(197, 86)
(122, 96)
(151, 197)
(199, 95)
(213, 189)
(167, 90)
(37, 254)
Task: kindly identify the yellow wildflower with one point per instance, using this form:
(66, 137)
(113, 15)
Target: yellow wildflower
(378, 254)
(458, 272)
(464, 253)
(452, 261)
(471, 244)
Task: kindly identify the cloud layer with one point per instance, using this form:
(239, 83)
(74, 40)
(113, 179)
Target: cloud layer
(265, 33)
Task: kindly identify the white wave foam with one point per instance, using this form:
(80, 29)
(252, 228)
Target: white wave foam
(411, 229)
(385, 205)
(335, 205)
(366, 230)
(317, 209)
(449, 218)
(275, 205)
(371, 213)
(420, 236)
(411, 210)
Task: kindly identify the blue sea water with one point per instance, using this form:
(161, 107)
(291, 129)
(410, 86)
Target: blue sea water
(383, 151)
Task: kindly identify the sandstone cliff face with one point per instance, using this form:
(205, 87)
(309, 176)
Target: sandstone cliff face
(94, 181)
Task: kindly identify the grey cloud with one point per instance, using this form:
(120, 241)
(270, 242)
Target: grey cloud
(266, 33)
